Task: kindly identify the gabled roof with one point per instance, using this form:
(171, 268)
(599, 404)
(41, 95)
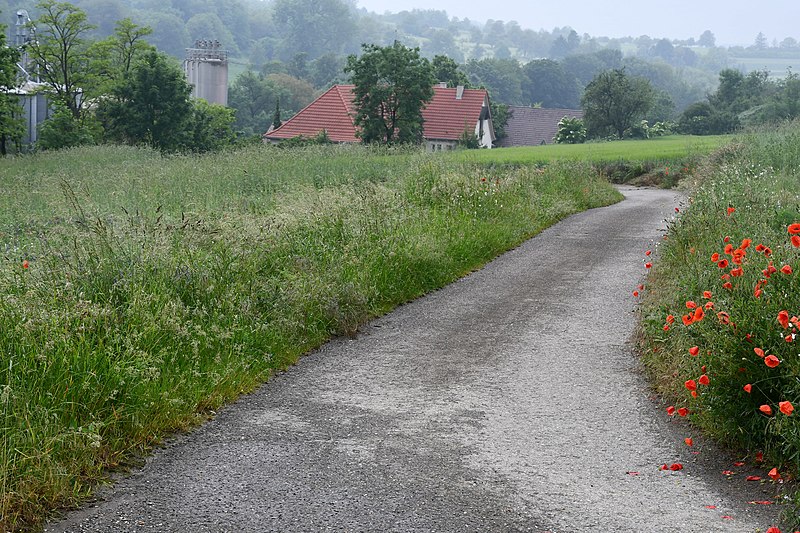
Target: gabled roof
(332, 112)
(446, 116)
(530, 126)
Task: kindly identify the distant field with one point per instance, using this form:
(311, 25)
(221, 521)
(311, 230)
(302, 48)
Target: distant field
(664, 149)
(776, 66)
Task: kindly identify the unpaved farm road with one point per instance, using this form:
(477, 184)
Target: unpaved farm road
(508, 401)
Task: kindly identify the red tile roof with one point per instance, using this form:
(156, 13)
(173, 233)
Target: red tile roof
(332, 112)
(445, 117)
(530, 126)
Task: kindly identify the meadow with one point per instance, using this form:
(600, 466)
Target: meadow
(139, 292)
(719, 312)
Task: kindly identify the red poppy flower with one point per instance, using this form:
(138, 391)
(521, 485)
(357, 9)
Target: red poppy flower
(648, 265)
(728, 248)
(796, 241)
(773, 529)
(727, 285)
(703, 380)
(666, 327)
(783, 319)
(746, 244)
(766, 409)
(759, 352)
(683, 411)
(694, 394)
(794, 229)
(690, 384)
(772, 361)
(714, 257)
(699, 314)
(759, 457)
(690, 304)
(774, 474)
(731, 210)
(726, 239)
(675, 467)
(689, 441)
(738, 463)
(747, 388)
(694, 351)
(789, 338)
(648, 252)
(670, 319)
(723, 264)
(760, 247)
(635, 294)
(753, 478)
(687, 320)
(25, 264)
(724, 318)
(737, 272)
(707, 295)
(786, 407)
(703, 369)
(768, 251)
(671, 410)
(709, 305)
(786, 269)
(677, 210)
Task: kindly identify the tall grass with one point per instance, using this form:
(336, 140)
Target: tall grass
(759, 177)
(158, 288)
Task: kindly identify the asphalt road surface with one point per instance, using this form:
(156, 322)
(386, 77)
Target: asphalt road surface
(508, 401)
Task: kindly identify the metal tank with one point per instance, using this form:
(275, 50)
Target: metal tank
(206, 68)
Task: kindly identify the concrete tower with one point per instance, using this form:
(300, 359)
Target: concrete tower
(206, 68)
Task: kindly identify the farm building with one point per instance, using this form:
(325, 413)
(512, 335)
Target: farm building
(450, 113)
(531, 126)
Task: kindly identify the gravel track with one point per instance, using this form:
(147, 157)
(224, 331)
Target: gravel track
(508, 401)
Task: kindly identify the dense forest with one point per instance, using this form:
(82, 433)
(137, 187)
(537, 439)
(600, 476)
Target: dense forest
(284, 52)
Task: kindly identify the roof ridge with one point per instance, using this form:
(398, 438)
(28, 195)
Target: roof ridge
(298, 113)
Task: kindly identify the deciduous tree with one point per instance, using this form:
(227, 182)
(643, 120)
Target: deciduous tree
(614, 101)
(392, 84)
(11, 126)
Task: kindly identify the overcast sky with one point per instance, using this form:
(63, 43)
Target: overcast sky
(731, 21)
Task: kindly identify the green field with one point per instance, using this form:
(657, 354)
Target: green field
(663, 149)
(776, 66)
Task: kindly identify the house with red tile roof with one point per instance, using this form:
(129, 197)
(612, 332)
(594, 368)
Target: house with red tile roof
(532, 126)
(451, 112)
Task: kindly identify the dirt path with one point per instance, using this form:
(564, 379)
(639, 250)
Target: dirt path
(509, 401)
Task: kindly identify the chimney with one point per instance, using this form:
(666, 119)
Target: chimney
(459, 92)
(443, 85)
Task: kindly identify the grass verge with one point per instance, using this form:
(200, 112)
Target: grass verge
(140, 292)
(731, 255)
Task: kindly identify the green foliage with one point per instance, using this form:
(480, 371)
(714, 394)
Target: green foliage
(113, 58)
(571, 131)
(159, 288)
(548, 83)
(63, 130)
(446, 70)
(500, 115)
(316, 27)
(756, 176)
(61, 53)
(151, 106)
(211, 127)
(392, 85)
(614, 101)
(12, 127)
(468, 140)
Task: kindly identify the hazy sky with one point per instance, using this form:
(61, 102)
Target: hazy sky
(731, 21)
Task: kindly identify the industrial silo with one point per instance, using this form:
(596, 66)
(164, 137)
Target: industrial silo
(206, 68)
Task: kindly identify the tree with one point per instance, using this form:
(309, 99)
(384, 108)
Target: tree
(11, 126)
(614, 101)
(707, 39)
(316, 27)
(392, 84)
(570, 131)
(113, 58)
(276, 117)
(151, 107)
(446, 70)
(500, 115)
(60, 53)
(210, 127)
(548, 84)
(502, 77)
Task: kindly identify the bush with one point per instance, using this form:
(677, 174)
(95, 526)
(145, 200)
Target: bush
(570, 131)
